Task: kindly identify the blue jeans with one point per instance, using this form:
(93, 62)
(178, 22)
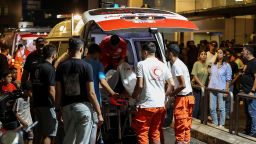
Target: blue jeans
(196, 110)
(213, 107)
(252, 113)
(77, 119)
(169, 116)
(228, 102)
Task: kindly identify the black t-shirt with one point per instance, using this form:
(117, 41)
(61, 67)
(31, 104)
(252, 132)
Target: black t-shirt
(3, 64)
(43, 76)
(247, 78)
(33, 60)
(73, 74)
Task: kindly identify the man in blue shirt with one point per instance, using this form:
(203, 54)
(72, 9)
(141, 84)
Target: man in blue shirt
(92, 57)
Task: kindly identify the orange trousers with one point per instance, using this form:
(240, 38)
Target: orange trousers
(146, 124)
(183, 110)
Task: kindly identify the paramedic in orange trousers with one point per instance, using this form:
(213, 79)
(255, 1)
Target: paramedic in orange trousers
(149, 92)
(184, 99)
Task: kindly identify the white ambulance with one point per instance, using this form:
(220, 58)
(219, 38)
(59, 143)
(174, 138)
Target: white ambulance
(135, 25)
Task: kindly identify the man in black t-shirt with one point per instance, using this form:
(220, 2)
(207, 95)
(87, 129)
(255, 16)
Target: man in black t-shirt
(75, 93)
(248, 83)
(33, 59)
(3, 61)
(43, 84)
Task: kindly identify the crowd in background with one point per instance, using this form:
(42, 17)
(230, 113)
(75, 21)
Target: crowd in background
(221, 66)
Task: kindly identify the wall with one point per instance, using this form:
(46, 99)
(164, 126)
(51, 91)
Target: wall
(239, 28)
(14, 13)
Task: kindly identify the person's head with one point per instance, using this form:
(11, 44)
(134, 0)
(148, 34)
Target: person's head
(7, 77)
(221, 56)
(230, 54)
(213, 45)
(114, 41)
(14, 73)
(148, 49)
(248, 52)
(4, 50)
(202, 55)
(190, 43)
(173, 51)
(49, 52)
(76, 46)
(40, 42)
(27, 89)
(21, 47)
(94, 51)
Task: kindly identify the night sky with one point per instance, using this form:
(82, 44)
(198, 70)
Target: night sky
(64, 6)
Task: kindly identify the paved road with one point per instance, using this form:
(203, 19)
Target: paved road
(170, 137)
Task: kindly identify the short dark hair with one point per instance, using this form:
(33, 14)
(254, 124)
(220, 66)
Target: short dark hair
(249, 48)
(20, 45)
(174, 48)
(75, 43)
(94, 48)
(149, 46)
(48, 51)
(114, 39)
(214, 44)
(6, 73)
(12, 68)
(26, 85)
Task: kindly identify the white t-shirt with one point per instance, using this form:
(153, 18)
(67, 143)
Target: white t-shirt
(155, 74)
(211, 58)
(22, 107)
(180, 69)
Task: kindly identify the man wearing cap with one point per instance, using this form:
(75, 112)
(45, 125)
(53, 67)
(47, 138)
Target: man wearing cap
(184, 99)
(248, 83)
(211, 55)
(33, 59)
(113, 51)
(149, 92)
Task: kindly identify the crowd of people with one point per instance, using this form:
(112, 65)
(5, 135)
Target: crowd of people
(220, 67)
(65, 90)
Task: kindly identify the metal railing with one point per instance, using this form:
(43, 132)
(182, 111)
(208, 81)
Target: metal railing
(205, 92)
(238, 96)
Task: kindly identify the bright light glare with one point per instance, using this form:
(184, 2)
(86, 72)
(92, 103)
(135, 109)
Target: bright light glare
(62, 28)
(77, 17)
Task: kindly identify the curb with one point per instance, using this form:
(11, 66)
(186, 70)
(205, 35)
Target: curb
(213, 135)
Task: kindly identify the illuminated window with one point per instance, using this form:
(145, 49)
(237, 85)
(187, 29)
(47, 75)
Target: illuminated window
(6, 10)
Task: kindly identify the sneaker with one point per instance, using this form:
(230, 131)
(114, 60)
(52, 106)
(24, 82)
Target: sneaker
(221, 126)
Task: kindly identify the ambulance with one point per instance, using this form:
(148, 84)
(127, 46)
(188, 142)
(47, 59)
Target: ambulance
(135, 25)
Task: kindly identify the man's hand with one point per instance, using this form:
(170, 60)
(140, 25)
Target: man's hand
(251, 94)
(100, 120)
(115, 95)
(24, 124)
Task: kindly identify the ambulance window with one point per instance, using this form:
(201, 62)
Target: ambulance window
(63, 47)
(129, 55)
(139, 44)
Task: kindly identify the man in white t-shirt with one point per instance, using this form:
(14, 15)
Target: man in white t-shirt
(184, 99)
(149, 92)
(211, 54)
